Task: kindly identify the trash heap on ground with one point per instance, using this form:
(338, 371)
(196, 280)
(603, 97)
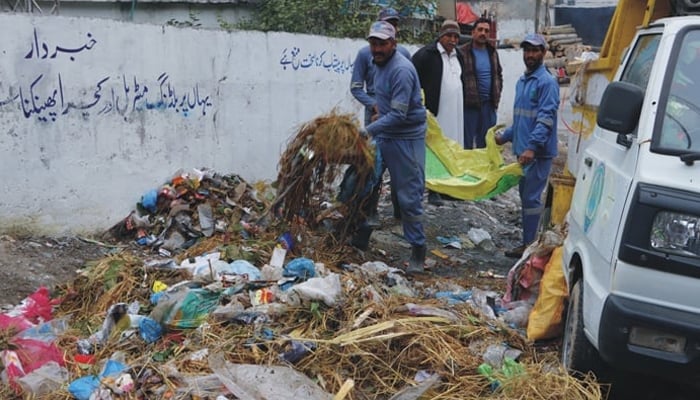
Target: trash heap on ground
(224, 293)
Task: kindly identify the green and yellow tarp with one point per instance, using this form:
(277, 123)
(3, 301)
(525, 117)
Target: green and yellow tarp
(466, 174)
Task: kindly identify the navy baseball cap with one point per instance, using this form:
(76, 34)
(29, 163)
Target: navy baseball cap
(534, 39)
(388, 13)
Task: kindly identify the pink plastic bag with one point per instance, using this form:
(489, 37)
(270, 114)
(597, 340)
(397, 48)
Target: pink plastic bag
(34, 353)
(14, 323)
(38, 306)
(34, 309)
(13, 368)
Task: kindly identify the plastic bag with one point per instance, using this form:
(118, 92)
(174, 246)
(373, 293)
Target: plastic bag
(34, 309)
(185, 308)
(113, 376)
(301, 268)
(44, 380)
(13, 369)
(35, 353)
(277, 382)
(546, 317)
(326, 289)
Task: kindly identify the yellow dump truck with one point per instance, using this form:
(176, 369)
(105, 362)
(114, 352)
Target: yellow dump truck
(632, 252)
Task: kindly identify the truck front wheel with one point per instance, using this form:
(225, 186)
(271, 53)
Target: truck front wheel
(577, 353)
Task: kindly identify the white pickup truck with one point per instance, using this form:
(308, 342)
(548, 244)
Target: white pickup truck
(632, 253)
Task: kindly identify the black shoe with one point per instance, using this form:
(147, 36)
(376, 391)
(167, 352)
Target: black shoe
(360, 239)
(435, 199)
(516, 252)
(417, 260)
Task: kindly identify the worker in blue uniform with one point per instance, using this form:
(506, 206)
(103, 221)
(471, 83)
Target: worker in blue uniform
(399, 131)
(362, 89)
(533, 134)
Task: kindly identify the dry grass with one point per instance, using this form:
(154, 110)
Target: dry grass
(378, 345)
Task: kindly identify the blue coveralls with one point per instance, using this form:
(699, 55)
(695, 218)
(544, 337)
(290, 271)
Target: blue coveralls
(534, 128)
(400, 135)
(362, 80)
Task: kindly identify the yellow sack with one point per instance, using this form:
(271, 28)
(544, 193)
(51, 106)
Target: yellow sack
(546, 317)
(466, 174)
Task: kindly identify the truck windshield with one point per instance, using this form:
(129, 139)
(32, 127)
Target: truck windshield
(680, 128)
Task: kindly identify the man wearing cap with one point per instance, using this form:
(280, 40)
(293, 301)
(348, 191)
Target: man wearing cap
(533, 134)
(483, 83)
(399, 131)
(440, 66)
(362, 88)
(362, 81)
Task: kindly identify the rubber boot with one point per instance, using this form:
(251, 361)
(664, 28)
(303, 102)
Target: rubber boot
(371, 206)
(417, 260)
(360, 239)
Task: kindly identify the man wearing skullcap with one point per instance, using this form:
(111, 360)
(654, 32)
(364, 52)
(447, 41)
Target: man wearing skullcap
(440, 66)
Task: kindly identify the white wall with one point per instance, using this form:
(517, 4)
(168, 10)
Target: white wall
(93, 113)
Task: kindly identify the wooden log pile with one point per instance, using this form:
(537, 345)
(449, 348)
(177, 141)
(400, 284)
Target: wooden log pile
(565, 48)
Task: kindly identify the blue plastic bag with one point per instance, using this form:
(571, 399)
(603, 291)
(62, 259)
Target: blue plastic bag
(302, 268)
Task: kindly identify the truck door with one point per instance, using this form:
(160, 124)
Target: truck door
(604, 177)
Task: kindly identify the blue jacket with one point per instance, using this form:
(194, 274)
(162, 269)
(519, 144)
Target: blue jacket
(398, 94)
(362, 80)
(535, 114)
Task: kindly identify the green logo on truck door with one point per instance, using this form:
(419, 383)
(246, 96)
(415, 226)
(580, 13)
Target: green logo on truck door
(594, 196)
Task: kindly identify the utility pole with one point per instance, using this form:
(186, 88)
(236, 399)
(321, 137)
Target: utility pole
(537, 15)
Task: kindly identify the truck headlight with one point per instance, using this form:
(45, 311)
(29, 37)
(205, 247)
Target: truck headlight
(676, 233)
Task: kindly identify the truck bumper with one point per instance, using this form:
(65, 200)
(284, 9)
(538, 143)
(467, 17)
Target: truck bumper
(671, 351)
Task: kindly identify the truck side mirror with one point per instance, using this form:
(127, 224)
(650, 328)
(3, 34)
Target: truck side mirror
(620, 107)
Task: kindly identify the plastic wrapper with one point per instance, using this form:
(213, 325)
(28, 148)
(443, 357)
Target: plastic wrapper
(326, 289)
(45, 379)
(34, 309)
(185, 307)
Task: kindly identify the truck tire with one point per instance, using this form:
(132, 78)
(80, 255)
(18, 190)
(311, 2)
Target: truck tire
(578, 354)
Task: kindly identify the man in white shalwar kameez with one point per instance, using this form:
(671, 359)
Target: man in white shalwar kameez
(440, 67)
(451, 116)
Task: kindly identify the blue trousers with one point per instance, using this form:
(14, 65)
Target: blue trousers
(405, 160)
(477, 121)
(531, 186)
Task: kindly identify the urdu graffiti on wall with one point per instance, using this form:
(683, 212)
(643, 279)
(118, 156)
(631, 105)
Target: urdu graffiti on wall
(109, 95)
(47, 97)
(293, 59)
(42, 52)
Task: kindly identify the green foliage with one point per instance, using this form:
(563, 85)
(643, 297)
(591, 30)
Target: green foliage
(339, 18)
(192, 23)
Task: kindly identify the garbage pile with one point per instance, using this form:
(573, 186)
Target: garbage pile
(218, 296)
